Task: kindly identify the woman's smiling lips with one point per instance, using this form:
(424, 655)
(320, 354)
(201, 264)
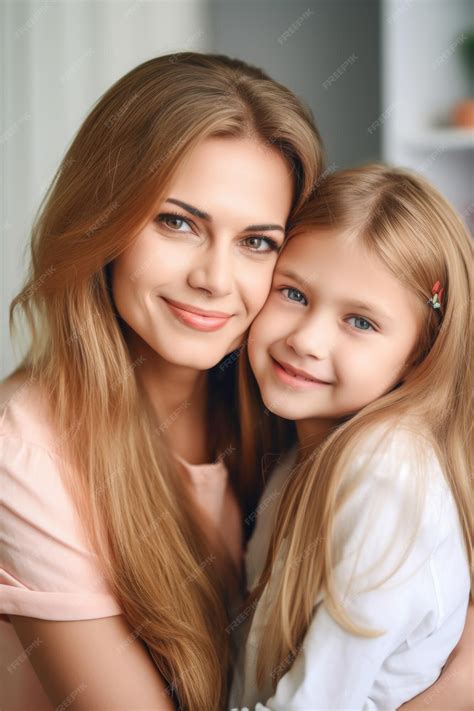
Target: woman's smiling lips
(295, 377)
(199, 319)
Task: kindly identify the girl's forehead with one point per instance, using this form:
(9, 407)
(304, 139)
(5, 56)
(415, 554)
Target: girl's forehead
(343, 235)
(307, 245)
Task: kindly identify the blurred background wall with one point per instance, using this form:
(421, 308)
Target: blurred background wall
(304, 44)
(382, 79)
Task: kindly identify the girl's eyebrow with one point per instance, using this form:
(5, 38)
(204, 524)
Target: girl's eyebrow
(206, 216)
(291, 275)
(371, 308)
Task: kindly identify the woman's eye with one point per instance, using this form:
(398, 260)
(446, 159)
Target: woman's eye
(255, 244)
(294, 295)
(362, 323)
(174, 222)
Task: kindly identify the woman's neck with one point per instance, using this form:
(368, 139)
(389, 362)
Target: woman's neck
(178, 396)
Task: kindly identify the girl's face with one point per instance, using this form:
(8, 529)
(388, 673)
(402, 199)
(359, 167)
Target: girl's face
(338, 330)
(200, 271)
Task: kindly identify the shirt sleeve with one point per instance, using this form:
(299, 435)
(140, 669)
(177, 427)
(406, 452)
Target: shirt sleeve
(409, 582)
(47, 569)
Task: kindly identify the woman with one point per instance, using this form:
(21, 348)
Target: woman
(172, 200)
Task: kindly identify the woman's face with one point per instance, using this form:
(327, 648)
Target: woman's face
(200, 271)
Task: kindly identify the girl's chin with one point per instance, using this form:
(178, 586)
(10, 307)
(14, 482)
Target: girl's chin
(286, 404)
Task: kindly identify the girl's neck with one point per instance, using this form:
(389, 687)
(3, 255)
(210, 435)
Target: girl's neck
(311, 434)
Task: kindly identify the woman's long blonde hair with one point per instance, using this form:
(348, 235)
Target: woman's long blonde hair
(131, 500)
(418, 236)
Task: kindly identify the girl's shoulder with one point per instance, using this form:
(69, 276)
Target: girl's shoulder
(402, 452)
(395, 500)
(400, 463)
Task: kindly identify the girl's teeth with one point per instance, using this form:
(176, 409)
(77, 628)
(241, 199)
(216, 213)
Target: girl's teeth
(298, 377)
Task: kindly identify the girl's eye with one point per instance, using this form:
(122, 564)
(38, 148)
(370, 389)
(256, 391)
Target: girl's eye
(294, 295)
(174, 221)
(254, 244)
(362, 323)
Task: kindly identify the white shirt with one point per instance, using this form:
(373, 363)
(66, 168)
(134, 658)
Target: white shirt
(422, 606)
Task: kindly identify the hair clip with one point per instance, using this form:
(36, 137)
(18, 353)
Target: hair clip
(437, 292)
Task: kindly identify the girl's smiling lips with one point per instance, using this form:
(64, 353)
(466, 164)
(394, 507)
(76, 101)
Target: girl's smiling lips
(295, 376)
(199, 319)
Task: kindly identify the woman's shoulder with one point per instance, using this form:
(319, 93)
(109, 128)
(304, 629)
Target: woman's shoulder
(25, 413)
(47, 567)
(31, 471)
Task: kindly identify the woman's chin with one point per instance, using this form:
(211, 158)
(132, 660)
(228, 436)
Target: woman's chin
(192, 359)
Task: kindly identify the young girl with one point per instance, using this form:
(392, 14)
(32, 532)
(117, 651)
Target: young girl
(359, 566)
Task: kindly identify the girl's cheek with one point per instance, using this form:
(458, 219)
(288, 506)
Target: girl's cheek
(255, 293)
(258, 335)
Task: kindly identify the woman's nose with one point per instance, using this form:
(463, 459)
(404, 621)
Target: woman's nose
(213, 272)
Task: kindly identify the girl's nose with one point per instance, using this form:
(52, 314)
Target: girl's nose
(311, 339)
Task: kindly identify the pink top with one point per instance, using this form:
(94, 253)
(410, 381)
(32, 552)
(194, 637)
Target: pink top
(47, 570)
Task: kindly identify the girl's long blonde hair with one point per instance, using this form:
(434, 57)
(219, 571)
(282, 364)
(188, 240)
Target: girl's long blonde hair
(133, 503)
(415, 232)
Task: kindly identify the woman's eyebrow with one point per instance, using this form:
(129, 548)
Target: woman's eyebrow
(193, 210)
(206, 216)
(264, 228)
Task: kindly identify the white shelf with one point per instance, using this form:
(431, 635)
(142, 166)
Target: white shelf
(448, 138)
(423, 80)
